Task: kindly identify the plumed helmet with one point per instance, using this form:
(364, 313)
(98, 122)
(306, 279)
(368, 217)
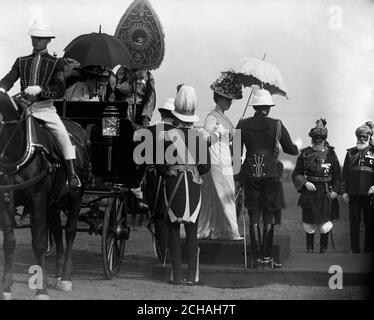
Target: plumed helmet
(40, 30)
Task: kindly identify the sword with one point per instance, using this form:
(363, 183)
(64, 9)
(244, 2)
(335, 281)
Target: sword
(328, 189)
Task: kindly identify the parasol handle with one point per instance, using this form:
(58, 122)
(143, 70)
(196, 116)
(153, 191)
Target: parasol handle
(245, 109)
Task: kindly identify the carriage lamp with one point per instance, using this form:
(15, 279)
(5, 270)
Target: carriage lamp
(110, 130)
(110, 122)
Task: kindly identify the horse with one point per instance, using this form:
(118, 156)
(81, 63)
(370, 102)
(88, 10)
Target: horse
(32, 175)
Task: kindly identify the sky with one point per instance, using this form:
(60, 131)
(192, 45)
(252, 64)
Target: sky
(324, 49)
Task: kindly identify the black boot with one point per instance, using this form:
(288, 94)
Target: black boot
(323, 242)
(255, 246)
(267, 242)
(74, 183)
(309, 242)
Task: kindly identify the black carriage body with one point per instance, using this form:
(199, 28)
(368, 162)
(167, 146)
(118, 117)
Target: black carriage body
(89, 114)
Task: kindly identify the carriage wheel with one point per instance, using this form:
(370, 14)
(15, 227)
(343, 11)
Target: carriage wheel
(49, 244)
(114, 235)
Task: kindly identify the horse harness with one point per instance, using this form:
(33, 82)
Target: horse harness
(32, 150)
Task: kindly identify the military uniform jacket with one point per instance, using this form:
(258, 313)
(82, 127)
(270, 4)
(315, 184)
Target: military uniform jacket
(154, 180)
(317, 167)
(358, 171)
(38, 69)
(185, 160)
(321, 168)
(261, 135)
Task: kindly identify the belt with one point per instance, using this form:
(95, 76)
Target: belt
(363, 168)
(174, 168)
(319, 179)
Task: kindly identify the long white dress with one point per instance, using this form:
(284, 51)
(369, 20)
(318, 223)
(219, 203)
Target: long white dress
(217, 218)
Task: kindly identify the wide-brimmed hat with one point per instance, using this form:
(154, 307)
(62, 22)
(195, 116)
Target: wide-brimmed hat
(185, 105)
(226, 85)
(41, 31)
(319, 130)
(168, 105)
(367, 128)
(261, 97)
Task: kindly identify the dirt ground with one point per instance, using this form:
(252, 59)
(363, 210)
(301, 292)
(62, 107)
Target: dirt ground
(135, 282)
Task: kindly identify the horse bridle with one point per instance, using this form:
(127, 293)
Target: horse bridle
(12, 122)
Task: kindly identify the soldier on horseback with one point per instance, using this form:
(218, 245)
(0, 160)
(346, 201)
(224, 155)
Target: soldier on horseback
(42, 79)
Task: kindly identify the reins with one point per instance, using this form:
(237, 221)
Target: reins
(18, 123)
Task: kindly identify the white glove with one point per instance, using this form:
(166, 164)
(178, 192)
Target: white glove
(33, 90)
(346, 198)
(310, 186)
(333, 195)
(371, 190)
(2, 90)
(204, 133)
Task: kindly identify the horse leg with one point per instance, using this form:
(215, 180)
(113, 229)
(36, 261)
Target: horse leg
(54, 223)
(9, 245)
(70, 232)
(39, 215)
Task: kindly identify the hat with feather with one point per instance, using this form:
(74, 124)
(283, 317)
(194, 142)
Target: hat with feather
(227, 86)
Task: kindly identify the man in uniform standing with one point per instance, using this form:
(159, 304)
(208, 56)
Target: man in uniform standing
(42, 79)
(154, 181)
(259, 173)
(358, 186)
(316, 177)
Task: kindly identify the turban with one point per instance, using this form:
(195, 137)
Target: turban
(367, 129)
(319, 130)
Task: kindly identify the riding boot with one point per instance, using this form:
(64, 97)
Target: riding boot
(265, 259)
(74, 182)
(276, 260)
(309, 242)
(268, 261)
(255, 246)
(323, 242)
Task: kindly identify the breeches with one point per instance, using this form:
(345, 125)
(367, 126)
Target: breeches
(262, 199)
(57, 128)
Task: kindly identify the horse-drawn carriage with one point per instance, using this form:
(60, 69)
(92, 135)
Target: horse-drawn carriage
(107, 200)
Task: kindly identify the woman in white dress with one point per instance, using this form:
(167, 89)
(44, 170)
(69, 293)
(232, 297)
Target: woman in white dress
(218, 212)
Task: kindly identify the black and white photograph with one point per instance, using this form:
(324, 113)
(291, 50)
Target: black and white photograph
(186, 155)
